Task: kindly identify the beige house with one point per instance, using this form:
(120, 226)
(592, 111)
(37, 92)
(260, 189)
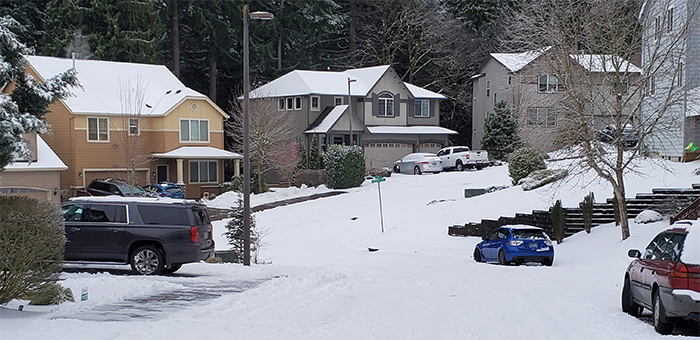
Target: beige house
(386, 116)
(527, 85)
(134, 118)
(36, 176)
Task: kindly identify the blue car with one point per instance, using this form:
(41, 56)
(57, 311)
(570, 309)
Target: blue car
(515, 244)
(166, 190)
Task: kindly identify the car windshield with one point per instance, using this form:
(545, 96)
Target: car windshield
(126, 189)
(529, 234)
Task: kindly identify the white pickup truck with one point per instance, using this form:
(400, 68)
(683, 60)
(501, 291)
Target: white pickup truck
(460, 157)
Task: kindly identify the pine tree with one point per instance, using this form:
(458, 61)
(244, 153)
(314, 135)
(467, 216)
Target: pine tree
(23, 111)
(500, 132)
(234, 233)
(315, 155)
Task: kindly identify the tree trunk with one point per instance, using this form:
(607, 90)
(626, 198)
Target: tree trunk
(176, 38)
(351, 32)
(279, 41)
(212, 67)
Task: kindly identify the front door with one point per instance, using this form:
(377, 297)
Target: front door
(161, 173)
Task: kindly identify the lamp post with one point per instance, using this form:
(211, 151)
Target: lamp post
(246, 136)
(352, 141)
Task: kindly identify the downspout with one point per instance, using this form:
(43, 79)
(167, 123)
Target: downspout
(71, 127)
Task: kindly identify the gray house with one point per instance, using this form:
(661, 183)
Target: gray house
(534, 93)
(371, 107)
(675, 84)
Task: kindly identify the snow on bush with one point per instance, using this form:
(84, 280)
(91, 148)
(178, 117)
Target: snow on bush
(524, 161)
(539, 178)
(648, 216)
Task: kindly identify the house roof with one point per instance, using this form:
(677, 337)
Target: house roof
(326, 120)
(198, 152)
(516, 61)
(300, 82)
(410, 130)
(106, 85)
(46, 160)
(600, 63)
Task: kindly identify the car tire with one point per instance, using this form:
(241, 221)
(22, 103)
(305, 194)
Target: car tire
(547, 262)
(147, 260)
(459, 166)
(479, 167)
(416, 171)
(661, 323)
(173, 268)
(397, 169)
(477, 255)
(628, 305)
(502, 258)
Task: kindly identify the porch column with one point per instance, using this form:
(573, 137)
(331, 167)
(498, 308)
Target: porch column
(180, 172)
(236, 167)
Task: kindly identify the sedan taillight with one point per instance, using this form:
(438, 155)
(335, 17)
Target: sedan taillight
(425, 162)
(194, 234)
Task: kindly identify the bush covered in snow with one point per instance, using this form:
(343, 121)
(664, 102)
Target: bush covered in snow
(345, 166)
(523, 162)
(32, 238)
(539, 178)
(384, 172)
(648, 216)
(310, 178)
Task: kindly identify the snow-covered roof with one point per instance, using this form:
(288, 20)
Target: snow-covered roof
(605, 63)
(410, 130)
(46, 160)
(300, 82)
(198, 152)
(329, 121)
(516, 61)
(105, 85)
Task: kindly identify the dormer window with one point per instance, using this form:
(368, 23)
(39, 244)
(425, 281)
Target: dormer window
(386, 105)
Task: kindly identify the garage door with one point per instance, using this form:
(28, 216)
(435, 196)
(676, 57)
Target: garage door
(31, 192)
(429, 147)
(378, 155)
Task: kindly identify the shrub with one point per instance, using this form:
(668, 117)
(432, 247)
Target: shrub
(310, 178)
(314, 154)
(235, 234)
(384, 172)
(587, 211)
(523, 162)
(558, 221)
(236, 184)
(539, 178)
(345, 166)
(32, 238)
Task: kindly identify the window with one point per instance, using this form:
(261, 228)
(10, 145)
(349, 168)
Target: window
(386, 105)
(160, 215)
(421, 108)
(680, 74)
(509, 80)
(669, 20)
(105, 213)
(280, 104)
(290, 103)
(620, 85)
(98, 129)
(297, 103)
(652, 85)
(549, 84)
(541, 116)
(488, 88)
(657, 27)
(338, 140)
(203, 171)
(315, 103)
(494, 99)
(338, 101)
(194, 130)
(133, 126)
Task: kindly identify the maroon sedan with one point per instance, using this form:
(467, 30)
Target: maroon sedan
(666, 277)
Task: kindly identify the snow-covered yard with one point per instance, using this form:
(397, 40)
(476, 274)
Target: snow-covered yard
(323, 283)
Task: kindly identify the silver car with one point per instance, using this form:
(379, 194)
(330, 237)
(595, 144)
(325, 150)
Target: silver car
(418, 163)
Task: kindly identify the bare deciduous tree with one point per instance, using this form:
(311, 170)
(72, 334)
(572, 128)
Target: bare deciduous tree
(587, 45)
(271, 134)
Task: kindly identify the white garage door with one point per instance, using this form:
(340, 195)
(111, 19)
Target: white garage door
(378, 155)
(429, 147)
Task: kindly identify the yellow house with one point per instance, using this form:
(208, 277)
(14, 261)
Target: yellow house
(134, 121)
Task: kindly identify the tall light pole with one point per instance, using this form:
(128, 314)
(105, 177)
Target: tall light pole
(352, 142)
(246, 135)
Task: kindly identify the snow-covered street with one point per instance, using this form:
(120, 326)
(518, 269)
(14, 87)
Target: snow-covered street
(321, 282)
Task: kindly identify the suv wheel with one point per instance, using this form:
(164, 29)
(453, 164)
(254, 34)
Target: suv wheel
(147, 260)
(661, 323)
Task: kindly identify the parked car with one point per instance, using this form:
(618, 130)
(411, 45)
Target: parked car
(630, 134)
(166, 189)
(154, 235)
(515, 244)
(460, 158)
(418, 163)
(113, 186)
(666, 277)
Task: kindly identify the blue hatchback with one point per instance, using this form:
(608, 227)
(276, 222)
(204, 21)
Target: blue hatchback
(515, 244)
(166, 190)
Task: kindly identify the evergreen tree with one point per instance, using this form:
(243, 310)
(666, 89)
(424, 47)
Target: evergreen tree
(500, 132)
(234, 233)
(315, 154)
(23, 111)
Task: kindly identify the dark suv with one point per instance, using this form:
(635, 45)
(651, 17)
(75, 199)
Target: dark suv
(113, 186)
(666, 277)
(154, 235)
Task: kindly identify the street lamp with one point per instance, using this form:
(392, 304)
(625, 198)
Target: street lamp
(352, 141)
(246, 136)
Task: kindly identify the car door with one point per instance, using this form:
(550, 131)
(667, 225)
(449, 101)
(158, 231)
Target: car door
(445, 157)
(73, 223)
(102, 232)
(649, 263)
(489, 248)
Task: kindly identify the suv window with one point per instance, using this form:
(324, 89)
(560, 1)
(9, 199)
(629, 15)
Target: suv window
(105, 213)
(164, 215)
(72, 212)
(200, 217)
(441, 152)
